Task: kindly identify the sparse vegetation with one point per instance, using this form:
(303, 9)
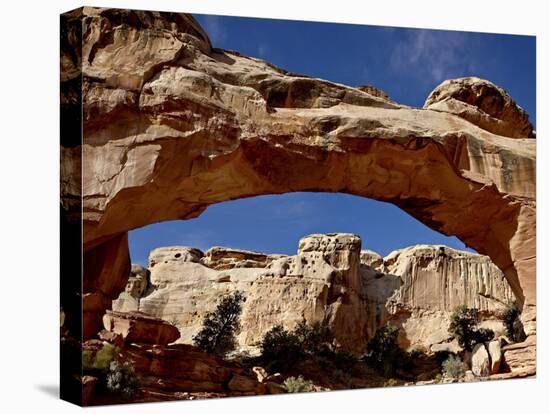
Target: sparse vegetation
(453, 367)
(343, 377)
(298, 384)
(392, 382)
(314, 339)
(343, 360)
(219, 328)
(384, 353)
(101, 360)
(280, 348)
(114, 375)
(512, 323)
(464, 327)
(121, 379)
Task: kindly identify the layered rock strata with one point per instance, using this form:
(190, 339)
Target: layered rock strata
(330, 279)
(321, 283)
(172, 125)
(417, 288)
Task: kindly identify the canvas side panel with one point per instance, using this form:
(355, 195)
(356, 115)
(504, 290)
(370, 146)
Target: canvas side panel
(71, 206)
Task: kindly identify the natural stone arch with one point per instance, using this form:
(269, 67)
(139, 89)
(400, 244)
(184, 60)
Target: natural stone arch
(172, 125)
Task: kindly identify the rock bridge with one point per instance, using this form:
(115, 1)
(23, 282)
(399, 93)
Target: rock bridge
(171, 125)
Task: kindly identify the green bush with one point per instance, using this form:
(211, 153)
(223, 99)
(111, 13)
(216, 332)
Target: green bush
(219, 328)
(101, 360)
(464, 327)
(342, 377)
(121, 379)
(384, 354)
(115, 376)
(453, 367)
(315, 338)
(344, 360)
(281, 349)
(298, 384)
(512, 323)
(392, 382)
(441, 356)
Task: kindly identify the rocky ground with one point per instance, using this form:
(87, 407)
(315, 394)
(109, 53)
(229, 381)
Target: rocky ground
(184, 372)
(330, 279)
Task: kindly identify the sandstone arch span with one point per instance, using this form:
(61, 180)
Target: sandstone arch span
(172, 125)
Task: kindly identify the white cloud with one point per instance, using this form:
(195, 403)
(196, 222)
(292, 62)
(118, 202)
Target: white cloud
(262, 51)
(431, 55)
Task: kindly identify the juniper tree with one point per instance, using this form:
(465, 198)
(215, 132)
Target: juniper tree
(464, 327)
(219, 328)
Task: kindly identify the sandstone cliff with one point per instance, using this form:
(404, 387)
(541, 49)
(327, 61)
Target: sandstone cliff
(321, 282)
(329, 279)
(172, 125)
(417, 288)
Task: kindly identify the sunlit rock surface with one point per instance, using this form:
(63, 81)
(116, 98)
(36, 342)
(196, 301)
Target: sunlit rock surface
(329, 279)
(172, 125)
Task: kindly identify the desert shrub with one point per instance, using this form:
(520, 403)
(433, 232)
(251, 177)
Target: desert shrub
(512, 323)
(344, 360)
(101, 360)
(298, 384)
(342, 377)
(453, 367)
(337, 360)
(383, 352)
(219, 328)
(441, 356)
(115, 376)
(121, 379)
(316, 338)
(280, 348)
(464, 327)
(392, 382)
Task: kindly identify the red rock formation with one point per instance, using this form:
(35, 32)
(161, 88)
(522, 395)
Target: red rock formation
(172, 125)
(140, 328)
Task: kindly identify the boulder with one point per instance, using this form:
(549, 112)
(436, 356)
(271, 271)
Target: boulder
(277, 378)
(482, 103)
(112, 337)
(140, 328)
(521, 356)
(261, 373)
(495, 354)
(89, 384)
(180, 362)
(241, 383)
(469, 376)
(274, 388)
(481, 364)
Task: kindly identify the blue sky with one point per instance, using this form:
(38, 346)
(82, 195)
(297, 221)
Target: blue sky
(405, 63)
